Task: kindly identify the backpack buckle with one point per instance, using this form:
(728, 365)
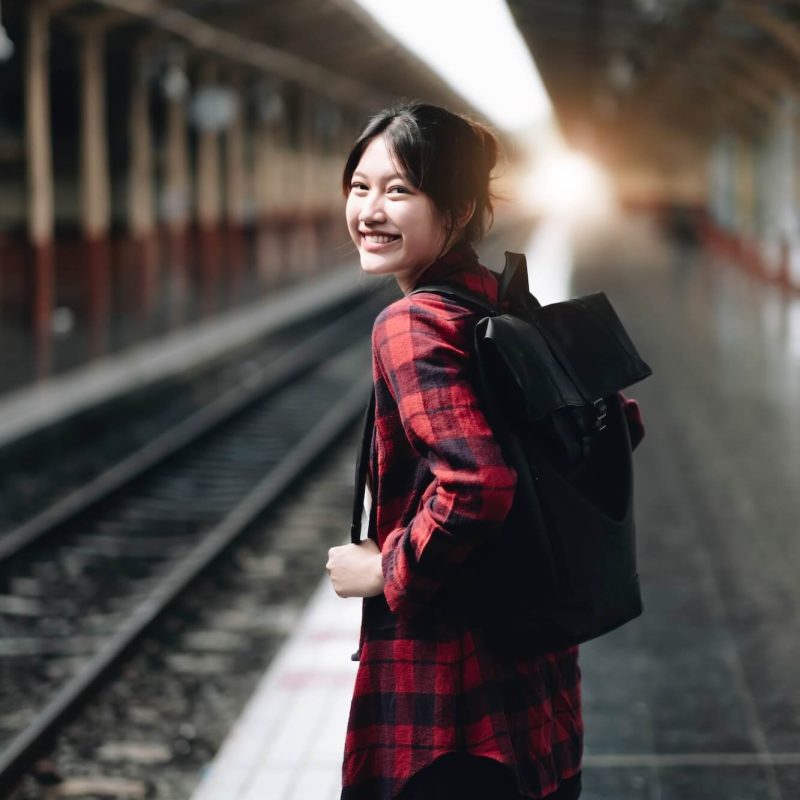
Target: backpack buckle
(601, 410)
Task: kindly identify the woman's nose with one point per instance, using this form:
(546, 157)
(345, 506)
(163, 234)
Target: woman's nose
(373, 209)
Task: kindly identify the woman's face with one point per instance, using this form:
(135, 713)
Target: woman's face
(395, 227)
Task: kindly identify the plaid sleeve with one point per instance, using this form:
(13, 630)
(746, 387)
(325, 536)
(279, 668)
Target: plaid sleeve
(422, 356)
(633, 416)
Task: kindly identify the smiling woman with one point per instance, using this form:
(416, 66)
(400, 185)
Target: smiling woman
(437, 712)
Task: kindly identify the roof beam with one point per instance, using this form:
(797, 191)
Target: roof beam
(684, 38)
(783, 32)
(235, 48)
(724, 108)
(102, 21)
(750, 92)
(767, 73)
(57, 6)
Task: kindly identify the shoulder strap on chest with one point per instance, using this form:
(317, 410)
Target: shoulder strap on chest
(362, 465)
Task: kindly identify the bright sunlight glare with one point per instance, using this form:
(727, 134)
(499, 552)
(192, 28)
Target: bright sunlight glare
(476, 48)
(567, 183)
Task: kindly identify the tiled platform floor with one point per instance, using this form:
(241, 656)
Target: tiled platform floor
(288, 743)
(699, 699)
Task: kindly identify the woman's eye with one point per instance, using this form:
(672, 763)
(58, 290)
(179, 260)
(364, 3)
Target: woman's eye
(363, 186)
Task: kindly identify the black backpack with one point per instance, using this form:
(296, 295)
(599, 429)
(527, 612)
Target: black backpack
(549, 379)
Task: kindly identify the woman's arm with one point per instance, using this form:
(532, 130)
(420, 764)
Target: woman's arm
(423, 359)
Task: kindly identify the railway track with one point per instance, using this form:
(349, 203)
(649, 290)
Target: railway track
(36, 488)
(82, 581)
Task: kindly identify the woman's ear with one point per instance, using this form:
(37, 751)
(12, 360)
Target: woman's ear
(463, 219)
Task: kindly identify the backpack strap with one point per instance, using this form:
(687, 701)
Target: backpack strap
(362, 464)
(459, 293)
(514, 280)
(526, 472)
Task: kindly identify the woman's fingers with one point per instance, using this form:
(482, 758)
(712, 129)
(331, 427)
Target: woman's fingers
(355, 569)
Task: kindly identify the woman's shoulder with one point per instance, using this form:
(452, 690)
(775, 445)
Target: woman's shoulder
(424, 305)
(425, 314)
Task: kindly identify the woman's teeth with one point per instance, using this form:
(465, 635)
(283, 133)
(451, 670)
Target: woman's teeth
(380, 239)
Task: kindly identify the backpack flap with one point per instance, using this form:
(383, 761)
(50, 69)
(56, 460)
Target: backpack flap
(554, 369)
(594, 341)
(566, 354)
(520, 358)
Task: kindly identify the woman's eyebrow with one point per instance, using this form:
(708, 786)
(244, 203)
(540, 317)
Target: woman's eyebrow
(389, 177)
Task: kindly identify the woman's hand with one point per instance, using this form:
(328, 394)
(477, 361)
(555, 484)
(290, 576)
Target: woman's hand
(355, 569)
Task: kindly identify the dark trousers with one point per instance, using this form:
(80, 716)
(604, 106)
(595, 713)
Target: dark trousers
(459, 776)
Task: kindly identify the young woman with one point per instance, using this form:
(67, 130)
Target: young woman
(436, 712)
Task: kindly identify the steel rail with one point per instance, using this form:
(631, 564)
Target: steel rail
(290, 366)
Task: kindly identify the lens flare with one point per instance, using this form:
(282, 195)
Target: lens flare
(568, 183)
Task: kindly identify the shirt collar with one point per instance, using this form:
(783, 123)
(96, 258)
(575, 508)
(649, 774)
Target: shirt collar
(459, 259)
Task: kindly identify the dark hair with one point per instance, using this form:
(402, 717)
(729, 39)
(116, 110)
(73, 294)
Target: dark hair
(447, 156)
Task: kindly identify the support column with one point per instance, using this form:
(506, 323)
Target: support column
(37, 129)
(328, 170)
(745, 189)
(177, 180)
(312, 175)
(40, 178)
(95, 180)
(141, 210)
(235, 190)
(270, 250)
(235, 184)
(745, 203)
(208, 167)
(208, 202)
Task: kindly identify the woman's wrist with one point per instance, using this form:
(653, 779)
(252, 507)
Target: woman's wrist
(378, 572)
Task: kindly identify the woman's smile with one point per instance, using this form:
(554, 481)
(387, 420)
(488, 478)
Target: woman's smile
(376, 242)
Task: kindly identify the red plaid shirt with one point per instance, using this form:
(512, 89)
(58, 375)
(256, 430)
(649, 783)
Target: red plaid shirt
(428, 685)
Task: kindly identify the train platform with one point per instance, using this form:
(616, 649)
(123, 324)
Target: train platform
(35, 405)
(699, 697)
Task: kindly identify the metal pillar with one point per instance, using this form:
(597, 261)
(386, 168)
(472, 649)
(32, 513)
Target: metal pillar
(235, 183)
(307, 157)
(236, 190)
(141, 212)
(95, 180)
(37, 130)
(39, 163)
(274, 191)
(208, 167)
(177, 172)
(141, 207)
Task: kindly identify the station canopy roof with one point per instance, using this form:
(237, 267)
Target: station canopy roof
(620, 70)
(333, 47)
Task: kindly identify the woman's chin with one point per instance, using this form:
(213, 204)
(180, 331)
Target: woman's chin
(374, 264)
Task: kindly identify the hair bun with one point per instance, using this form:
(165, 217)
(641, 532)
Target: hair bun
(489, 145)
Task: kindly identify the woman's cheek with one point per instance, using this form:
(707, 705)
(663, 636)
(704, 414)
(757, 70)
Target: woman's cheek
(351, 217)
